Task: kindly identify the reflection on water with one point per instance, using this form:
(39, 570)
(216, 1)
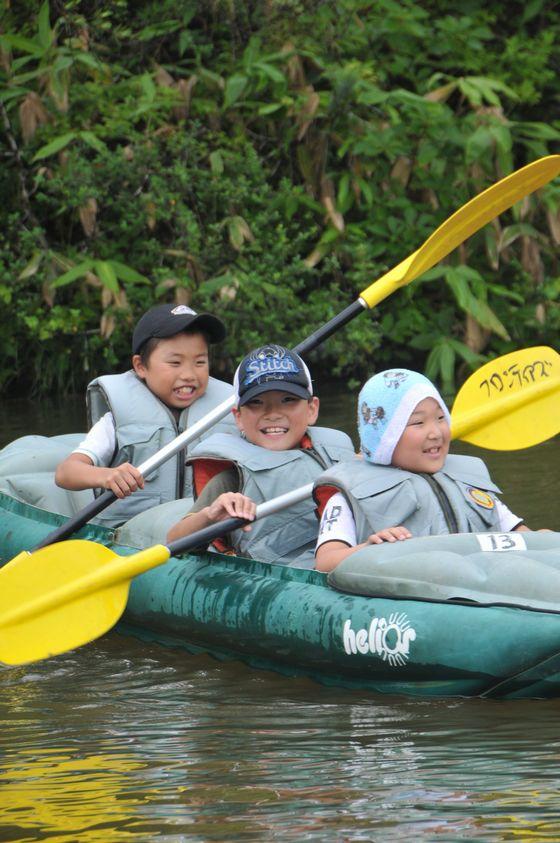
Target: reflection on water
(128, 741)
(45, 416)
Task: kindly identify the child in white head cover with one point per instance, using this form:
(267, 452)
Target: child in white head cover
(385, 405)
(405, 476)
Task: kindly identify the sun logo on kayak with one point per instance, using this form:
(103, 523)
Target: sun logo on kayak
(389, 639)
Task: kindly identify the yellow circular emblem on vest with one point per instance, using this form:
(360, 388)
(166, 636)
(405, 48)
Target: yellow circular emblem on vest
(482, 498)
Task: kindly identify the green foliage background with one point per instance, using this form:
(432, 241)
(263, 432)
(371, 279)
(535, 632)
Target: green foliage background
(267, 161)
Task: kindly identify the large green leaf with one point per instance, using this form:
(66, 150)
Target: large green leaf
(92, 140)
(44, 31)
(235, 86)
(107, 275)
(127, 273)
(54, 146)
(78, 271)
(26, 45)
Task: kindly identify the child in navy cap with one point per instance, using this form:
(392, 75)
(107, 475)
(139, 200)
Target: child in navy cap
(276, 449)
(136, 413)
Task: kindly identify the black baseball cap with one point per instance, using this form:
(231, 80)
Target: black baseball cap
(271, 367)
(166, 320)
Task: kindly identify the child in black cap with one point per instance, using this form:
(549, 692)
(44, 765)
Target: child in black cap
(136, 413)
(274, 451)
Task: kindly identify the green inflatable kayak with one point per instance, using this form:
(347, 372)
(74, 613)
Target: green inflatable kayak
(460, 615)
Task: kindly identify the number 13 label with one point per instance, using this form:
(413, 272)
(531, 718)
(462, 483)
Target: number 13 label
(501, 541)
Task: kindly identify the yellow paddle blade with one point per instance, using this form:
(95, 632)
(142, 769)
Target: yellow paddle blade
(510, 403)
(23, 555)
(65, 595)
(462, 224)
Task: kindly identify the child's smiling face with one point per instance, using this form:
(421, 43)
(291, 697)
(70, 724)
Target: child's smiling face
(424, 444)
(177, 370)
(276, 420)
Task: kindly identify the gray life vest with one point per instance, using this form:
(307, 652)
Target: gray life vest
(457, 499)
(288, 536)
(143, 425)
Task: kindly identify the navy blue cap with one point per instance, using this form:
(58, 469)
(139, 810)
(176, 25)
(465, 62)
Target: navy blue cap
(271, 367)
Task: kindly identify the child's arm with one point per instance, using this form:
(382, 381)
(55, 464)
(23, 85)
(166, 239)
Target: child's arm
(337, 534)
(227, 505)
(509, 522)
(89, 466)
(507, 518)
(330, 554)
(78, 472)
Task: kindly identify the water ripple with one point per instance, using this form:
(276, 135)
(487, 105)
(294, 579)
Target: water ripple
(128, 741)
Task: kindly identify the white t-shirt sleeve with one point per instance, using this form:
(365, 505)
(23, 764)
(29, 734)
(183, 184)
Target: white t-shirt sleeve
(508, 521)
(337, 522)
(99, 444)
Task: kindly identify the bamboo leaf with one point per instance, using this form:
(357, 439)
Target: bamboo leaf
(62, 63)
(491, 240)
(44, 31)
(127, 273)
(447, 363)
(238, 231)
(438, 360)
(235, 86)
(484, 314)
(54, 146)
(538, 131)
(156, 30)
(26, 45)
(77, 271)
(148, 87)
(505, 293)
(23, 78)
(88, 60)
(270, 108)
(479, 144)
(213, 285)
(272, 72)
(467, 354)
(512, 232)
(92, 140)
(216, 163)
(12, 93)
(32, 267)
(107, 275)
(459, 279)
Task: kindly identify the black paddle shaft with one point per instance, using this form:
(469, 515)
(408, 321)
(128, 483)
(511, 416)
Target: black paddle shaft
(107, 497)
(323, 333)
(79, 519)
(202, 538)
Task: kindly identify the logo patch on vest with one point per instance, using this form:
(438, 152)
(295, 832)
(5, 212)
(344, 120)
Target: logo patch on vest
(482, 498)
